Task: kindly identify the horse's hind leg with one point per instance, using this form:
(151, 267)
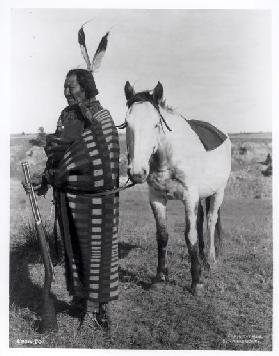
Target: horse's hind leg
(201, 216)
(158, 204)
(200, 228)
(214, 224)
(218, 235)
(191, 209)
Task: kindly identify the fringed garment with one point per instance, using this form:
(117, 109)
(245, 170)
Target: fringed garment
(89, 225)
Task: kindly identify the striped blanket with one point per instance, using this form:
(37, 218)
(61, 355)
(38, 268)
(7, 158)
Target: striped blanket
(89, 225)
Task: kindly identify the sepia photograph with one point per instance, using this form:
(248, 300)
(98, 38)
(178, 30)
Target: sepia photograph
(141, 164)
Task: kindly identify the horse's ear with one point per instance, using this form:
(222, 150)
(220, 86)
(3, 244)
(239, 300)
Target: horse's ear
(129, 91)
(158, 93)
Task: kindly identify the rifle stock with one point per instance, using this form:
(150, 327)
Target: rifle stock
(48, 315)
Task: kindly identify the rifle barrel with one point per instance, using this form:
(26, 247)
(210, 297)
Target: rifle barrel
(49, 320)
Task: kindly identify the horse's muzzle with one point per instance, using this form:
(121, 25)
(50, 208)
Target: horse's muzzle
(137, 177)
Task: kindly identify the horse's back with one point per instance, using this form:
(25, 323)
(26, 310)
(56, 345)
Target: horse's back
(208, 171)
(205, 171)
(216, 169)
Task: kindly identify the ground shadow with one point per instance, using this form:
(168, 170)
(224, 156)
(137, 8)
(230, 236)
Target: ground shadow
(24, 293)
(130, 277)
(124, 248)
(126, 276)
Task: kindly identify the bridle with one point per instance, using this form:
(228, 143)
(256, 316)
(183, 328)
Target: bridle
(141, 98)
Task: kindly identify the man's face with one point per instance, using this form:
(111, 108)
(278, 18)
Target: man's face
(72, 90)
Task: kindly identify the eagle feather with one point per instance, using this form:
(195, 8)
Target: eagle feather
(81, 41)
(98, 56)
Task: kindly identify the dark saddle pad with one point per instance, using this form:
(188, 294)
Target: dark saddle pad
(209, 135)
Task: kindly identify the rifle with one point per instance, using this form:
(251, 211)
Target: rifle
(48, 315)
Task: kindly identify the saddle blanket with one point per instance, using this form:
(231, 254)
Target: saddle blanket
(208, 134)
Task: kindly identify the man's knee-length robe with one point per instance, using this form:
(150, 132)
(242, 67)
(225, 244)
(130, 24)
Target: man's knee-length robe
(89, 225)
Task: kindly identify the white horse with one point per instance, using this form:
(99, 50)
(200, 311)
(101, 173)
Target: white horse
(164, 151)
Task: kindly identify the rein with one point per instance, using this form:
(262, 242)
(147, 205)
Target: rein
(104, 192)
(162, 119)
(122, 126)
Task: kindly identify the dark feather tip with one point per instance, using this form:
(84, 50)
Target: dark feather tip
(81, 37)
(103, 44)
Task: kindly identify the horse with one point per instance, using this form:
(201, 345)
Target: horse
(164, 151)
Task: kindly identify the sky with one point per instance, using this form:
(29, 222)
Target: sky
(214, 65)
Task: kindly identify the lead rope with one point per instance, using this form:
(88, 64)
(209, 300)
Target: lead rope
(103, 193)
(122, 126)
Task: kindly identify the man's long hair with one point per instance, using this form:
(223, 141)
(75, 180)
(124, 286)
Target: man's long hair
(86, 80)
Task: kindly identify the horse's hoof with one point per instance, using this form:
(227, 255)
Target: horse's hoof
(205, 264)
(159, 281)
(197, 289)
(211, 258)
(211, 262)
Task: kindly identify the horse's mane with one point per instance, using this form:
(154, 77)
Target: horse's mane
(140, 97)
(147, 96)
(166, 107)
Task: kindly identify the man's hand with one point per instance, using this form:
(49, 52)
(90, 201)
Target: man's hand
(40, 188)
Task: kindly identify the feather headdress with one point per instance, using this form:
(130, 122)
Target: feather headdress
(99, 54)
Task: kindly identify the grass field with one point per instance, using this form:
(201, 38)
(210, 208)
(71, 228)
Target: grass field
(235, 311)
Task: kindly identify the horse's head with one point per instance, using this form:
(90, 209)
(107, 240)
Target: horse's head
(143, 125)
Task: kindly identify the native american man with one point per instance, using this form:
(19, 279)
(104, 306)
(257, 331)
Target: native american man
(83, 159)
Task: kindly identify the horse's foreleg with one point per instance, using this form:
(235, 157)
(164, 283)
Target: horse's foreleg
(213, 218)
(158, 204)
(191, 210)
